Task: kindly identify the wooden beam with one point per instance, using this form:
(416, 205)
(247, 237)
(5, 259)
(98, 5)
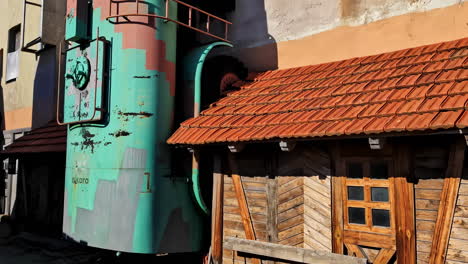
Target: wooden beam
(242, 201)
(384, 256)
(404, 207)
(217, 213)
(337, 200)
(448, 200)
(288, 253)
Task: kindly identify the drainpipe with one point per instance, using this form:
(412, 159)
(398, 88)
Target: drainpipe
(196, 112)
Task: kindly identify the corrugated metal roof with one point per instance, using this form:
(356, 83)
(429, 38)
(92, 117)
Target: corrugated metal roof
(416, 89)
(50, 138)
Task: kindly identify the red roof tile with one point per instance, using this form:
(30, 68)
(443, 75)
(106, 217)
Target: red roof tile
(421, 88)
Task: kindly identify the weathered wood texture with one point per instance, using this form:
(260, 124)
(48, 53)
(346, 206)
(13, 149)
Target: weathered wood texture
(458, 244)
(288, 198)
(304, 198)
(256, 197)
(217, 213)
(448, 201)
(430, 166)
(404, 209)
(289, 253)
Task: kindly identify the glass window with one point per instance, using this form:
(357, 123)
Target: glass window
(379, 194)
(355, 170)
(381, 217)
(356, 193)
(357, 215)
(379, 170)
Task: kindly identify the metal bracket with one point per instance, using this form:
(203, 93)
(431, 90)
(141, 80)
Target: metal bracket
(236, 148)
(287, 145)
(376, 143)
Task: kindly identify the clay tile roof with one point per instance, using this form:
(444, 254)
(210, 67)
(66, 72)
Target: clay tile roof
(417, 89)
(46, 139)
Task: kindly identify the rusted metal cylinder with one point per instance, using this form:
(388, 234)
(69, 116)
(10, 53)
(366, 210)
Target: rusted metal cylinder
(119, 191)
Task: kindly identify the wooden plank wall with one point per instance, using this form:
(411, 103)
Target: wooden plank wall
(458, 244)
(255, 190)
(303, 211)
(304, 205)
(430, 166)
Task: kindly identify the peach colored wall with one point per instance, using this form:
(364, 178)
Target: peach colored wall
(19, 118)
(394, 33)
(391, 34)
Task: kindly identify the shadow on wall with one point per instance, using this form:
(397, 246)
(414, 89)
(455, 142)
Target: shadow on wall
(2, 105)
(253, 45)
(45, 86)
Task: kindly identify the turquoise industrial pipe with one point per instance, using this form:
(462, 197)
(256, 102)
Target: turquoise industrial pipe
(198, 57)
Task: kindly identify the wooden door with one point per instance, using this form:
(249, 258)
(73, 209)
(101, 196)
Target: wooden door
(368, 209)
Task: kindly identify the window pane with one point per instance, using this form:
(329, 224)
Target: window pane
(356, 193)
(355, 170)
(379, 194)
(356, 215)
(381, 217)
(379, 170)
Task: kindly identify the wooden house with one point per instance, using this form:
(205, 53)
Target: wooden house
(362, 157)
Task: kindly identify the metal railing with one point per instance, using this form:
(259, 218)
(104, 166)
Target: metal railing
(191, 10)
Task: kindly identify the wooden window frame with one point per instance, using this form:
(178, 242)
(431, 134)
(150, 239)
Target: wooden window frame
(367, 183)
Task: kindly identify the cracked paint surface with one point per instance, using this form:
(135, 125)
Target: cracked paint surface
(119, 193)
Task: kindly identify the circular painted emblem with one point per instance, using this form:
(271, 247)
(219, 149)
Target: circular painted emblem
(80, 72)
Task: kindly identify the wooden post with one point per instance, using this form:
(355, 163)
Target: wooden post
(242, 200)
(448, 200)
(404, 206)
(217, 212)
(337, 201)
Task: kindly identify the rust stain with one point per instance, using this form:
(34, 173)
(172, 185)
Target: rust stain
(141, 114)
(120, 133)
(88, 141)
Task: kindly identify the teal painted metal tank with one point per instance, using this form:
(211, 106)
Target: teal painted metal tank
(118, 101)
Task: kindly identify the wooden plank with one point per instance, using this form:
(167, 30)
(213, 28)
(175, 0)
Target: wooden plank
(369, 239)
(299, 219)
(463, 188)
(217, 213)
(294, 240)
(337, 200)
(459, 233)
(427, 204)
(448, 200)
(291, 204)
(272, 210)
(385, 255)
(283, 216)
(294, 230)
(432, 184)
(355, 251)
(288, 253)
(427, 194)
(244, 209)
(429, 215)
(403, 208)
(422, 225)
(423, 246)
(460, 222)
(457, 255)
